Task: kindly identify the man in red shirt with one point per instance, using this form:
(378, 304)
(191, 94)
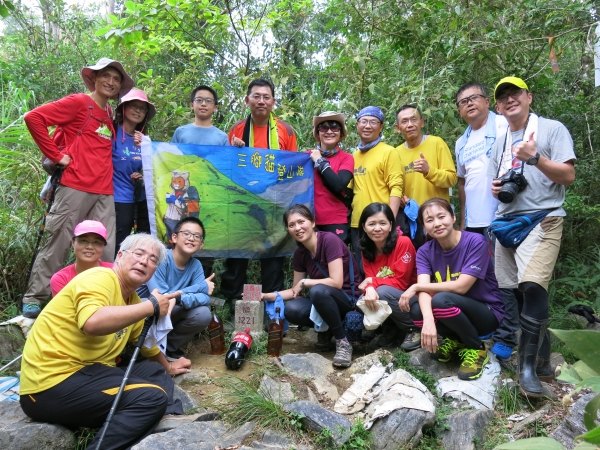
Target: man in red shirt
(85, 190)
(260, 130)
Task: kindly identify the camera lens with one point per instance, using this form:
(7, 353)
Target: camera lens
(508, 192)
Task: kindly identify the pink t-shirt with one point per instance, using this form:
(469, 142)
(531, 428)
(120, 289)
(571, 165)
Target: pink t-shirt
(329, 210)
(61, 278)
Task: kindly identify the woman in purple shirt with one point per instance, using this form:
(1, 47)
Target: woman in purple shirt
(458, 295)
(328, 263)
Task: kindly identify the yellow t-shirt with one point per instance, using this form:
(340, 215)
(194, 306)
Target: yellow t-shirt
(442, 172)
(57, 347)
(377, 177)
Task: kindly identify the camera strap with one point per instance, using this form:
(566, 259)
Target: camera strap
(504, 147)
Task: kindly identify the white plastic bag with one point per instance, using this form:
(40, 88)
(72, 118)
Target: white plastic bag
(373, 319)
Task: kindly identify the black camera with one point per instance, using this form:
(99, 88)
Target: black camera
(512, 183)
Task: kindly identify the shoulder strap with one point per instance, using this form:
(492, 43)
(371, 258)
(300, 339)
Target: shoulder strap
(89, 116)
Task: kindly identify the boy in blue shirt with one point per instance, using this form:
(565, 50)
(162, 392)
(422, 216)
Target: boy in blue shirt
(190, 313)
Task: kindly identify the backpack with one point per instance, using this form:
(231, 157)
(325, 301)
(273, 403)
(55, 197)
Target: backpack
(59, 138)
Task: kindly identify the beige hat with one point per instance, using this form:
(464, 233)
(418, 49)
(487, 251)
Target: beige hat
(327, 116)
(87, 72)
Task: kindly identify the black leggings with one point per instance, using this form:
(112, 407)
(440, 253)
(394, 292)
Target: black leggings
(124, 224)
(458, 317)
(332, 305)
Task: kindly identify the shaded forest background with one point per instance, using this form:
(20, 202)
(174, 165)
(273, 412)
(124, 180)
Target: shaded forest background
(321, 55)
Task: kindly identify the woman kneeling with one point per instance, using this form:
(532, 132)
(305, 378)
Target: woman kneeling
(333, 274)
(458, 295)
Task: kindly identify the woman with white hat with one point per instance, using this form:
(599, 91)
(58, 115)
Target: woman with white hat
(334, 169)
(82, 148)
(131, 120)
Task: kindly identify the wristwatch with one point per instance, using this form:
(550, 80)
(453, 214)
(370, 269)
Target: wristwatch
(534, 159)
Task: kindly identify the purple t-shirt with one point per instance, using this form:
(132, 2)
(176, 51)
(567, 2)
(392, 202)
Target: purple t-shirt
(471, 257)
(329, 248)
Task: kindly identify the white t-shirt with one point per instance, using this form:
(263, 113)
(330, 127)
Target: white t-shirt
(480, 204)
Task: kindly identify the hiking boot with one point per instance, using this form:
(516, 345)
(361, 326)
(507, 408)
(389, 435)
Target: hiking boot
(473, 362)
(533, 332)
(445, 351)
(174, 355)
(324, 343)
(412, 341)
(544, 369)
(31, 310)
(501, 350)
(343, 354)
(389, 336)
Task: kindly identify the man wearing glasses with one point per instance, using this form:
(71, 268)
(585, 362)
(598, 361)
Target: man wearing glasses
(181, 272)
(261, 129)
(477, 204)
(204, 103)
(427, 162)
(541, 151)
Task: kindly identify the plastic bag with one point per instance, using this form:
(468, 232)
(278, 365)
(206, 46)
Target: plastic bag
(373, 319)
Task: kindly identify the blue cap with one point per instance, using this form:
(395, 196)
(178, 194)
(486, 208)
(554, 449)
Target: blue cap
(371, 111)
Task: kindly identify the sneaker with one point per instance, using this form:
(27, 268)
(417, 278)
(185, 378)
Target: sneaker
(174, 356)
(473, 362)
(343, 354)
(502, 351)
(324, 343)
(412, 341)
(445, 351)
(31, 310)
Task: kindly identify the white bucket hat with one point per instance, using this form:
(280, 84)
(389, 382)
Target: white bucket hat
(87, 73)
(327, 116)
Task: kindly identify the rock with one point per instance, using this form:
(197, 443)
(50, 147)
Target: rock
(363, 364)
(314, 366)
(573, 425)
(466, 428)
(421, 359)
(401, 427)
(359, 394)
(171, 422)
(11, 344)
(197, 435)
(276, 391)
(556, 359)
(196, 376)
(19, 432)
(186, 399)
(271, 439)
(311, 396)
(316, 418)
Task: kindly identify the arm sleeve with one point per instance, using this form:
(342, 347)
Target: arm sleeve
(175, 138)
(460, 168)
(59, 113)
(197, 293)
(477, 258)
(394, 175)
(561, 144)
(404, 264)
(423, 263)
(291, 143)
(336, 182)
(492, 170)
(443, 176)
(57, 282)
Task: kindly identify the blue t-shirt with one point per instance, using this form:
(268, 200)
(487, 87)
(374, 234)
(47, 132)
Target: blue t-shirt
(190, 281)
(471, 256)
(127, 159)
(192, 134)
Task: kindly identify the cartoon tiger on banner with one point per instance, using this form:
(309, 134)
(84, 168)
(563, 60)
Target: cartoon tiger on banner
(182, 201)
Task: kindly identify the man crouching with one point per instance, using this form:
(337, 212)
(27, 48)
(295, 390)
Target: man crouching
(68, 372)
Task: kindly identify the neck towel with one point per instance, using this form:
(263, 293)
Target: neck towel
(272, 135)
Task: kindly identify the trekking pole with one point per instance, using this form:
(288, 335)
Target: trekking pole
(140, 342)
(10, 363)
(54, 179)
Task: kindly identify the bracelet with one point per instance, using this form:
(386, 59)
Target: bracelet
(154, 301)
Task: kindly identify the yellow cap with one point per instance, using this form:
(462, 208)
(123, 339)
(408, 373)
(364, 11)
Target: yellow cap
(515, 81)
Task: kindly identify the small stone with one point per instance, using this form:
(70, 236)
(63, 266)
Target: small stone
(316, 418)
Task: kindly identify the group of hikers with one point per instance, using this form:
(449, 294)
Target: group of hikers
(382, 230)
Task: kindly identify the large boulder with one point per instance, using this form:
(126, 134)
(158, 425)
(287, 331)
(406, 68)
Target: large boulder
(402, 426)
(465, 428)
(316, 418)
(276, 391)
(19, 432)
(315, 367)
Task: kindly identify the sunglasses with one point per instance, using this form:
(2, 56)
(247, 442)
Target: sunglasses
(326, 126)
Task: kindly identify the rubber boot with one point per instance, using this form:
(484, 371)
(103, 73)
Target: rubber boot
(532, 335)
(544, 369)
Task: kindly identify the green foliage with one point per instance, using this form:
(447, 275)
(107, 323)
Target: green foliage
(83, 437)
(403, 362)
(509, 400)
(539, 443)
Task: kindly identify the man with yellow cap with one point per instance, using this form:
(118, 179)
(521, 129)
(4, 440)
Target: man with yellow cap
(530, 165)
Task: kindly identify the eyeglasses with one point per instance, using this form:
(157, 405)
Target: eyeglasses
(326, 126)
(200, 100)
(407, 120)
(141, 109)
(141, 255)
(193, 236)
(257, 97)
(465, 101)
(515, 94)
(94, 243)
(372, 122)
